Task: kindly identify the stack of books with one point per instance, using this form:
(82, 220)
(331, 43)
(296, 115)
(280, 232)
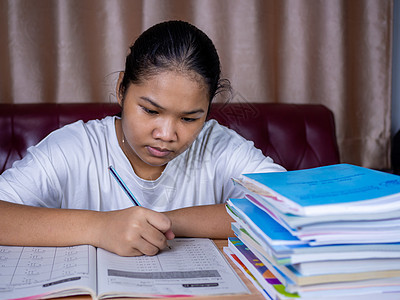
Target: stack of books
(330, 232)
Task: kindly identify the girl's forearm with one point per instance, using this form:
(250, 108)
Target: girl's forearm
(23, 225)
(210, 221)
(128, 232)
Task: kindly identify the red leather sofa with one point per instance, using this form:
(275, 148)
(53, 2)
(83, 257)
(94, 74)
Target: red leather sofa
(296, 136)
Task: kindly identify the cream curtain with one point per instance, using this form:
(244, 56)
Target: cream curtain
(333, 52)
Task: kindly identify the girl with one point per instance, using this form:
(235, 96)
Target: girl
(176, 165)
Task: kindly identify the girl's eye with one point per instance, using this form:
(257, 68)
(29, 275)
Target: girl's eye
(149, 111)
(189, 120)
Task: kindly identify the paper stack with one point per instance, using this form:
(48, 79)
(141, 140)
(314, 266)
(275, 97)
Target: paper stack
(329, 232)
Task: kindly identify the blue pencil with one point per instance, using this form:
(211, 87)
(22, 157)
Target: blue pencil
(123, 186)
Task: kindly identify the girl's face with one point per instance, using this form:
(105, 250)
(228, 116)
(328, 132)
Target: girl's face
(161, 117)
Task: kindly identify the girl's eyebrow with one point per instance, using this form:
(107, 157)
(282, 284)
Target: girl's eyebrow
(152, 102)
(195, 111)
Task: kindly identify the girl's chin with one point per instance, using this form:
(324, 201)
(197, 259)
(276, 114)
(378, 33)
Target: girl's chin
(157, 161)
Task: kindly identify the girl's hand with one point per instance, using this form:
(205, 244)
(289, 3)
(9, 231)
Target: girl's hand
(133, 231)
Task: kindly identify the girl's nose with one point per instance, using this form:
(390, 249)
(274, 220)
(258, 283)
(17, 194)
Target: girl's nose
(165, 131)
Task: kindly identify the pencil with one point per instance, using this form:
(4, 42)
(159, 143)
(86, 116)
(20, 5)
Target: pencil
(123, 186)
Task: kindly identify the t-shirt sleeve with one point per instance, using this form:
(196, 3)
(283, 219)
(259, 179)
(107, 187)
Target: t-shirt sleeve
(242, 159)
(41, 177)
(31, 181)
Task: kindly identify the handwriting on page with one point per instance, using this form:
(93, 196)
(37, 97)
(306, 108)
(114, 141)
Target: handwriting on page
(189, 259)
(23, 266)
(190, 267)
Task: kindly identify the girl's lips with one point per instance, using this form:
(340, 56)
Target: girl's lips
(158, 152)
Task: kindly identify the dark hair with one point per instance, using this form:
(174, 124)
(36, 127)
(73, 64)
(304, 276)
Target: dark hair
(172, 46)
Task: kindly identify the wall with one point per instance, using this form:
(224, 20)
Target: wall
(336, 53)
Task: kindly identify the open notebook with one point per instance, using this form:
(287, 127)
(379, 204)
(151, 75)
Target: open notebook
(190, 267)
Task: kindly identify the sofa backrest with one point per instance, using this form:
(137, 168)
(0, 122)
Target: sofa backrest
(296, 136)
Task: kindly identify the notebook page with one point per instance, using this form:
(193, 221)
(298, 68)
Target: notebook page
(190, 267)
(41, 271)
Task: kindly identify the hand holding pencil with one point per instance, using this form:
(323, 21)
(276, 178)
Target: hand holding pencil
(136, 230)
(133, 231)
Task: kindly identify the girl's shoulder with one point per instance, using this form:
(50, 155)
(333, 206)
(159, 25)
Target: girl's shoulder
(79, 129)
(215, 142)
(79, 137)
(221, 135)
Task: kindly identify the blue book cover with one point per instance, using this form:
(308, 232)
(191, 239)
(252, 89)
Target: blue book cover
(261, 223)
(340, 186)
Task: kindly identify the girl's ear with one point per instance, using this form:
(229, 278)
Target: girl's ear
(120, 96)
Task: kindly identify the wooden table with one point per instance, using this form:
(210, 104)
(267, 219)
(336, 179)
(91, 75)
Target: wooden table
(255, 294)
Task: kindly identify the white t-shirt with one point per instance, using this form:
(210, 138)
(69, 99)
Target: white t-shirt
(69, 169)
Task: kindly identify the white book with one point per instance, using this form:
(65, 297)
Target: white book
(382, 289)
(347, 266)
